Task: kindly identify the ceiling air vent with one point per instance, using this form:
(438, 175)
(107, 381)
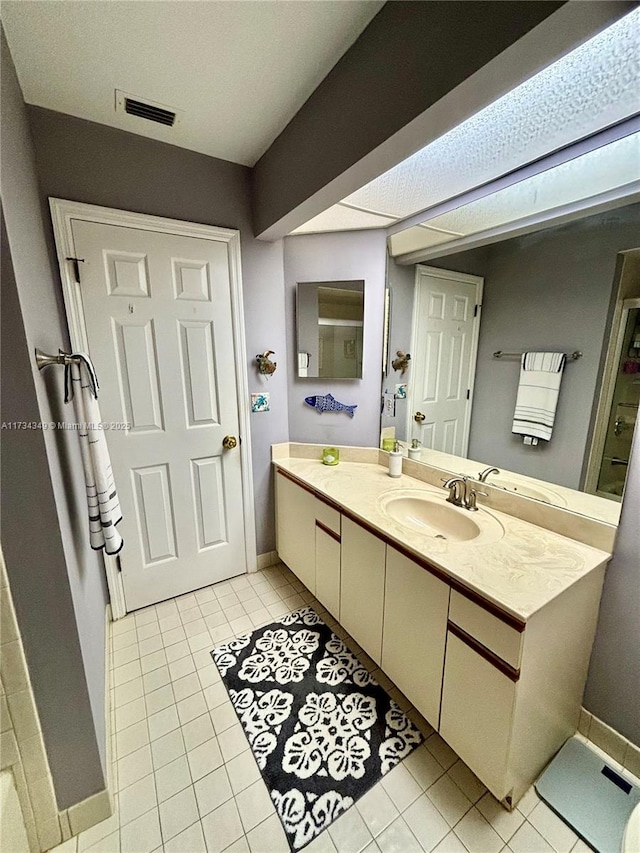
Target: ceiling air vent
(134, 106)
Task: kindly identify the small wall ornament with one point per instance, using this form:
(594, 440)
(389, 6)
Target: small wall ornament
(328, 403)
(260, 402)
(265, 365)
(401, 391)
(401, 363)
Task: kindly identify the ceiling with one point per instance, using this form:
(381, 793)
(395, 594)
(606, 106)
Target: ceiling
(591, 88)
(237, 71)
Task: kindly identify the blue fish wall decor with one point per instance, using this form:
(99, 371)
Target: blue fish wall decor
(328, 403)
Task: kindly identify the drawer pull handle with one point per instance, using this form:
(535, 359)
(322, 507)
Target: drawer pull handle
(484, 652)
(328, 531)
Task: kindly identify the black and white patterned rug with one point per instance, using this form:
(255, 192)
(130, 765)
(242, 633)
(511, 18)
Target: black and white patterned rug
(321, 729)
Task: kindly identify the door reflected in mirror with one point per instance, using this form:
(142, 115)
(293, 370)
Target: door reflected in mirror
(330, 325)
(444, 344)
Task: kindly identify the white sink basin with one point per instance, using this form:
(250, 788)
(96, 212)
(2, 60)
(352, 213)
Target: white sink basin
(521, 487)
(430, 514)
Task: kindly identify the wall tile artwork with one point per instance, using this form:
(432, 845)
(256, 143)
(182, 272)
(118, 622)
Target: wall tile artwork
(260, 402)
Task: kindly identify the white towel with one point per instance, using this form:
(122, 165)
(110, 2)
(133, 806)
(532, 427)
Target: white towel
(81, 386)
(540, 376)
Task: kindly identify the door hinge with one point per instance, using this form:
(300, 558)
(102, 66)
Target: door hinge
(468, 393)
(76, 267)
(475, 310)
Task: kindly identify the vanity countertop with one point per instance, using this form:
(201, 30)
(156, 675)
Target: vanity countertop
(521, 573)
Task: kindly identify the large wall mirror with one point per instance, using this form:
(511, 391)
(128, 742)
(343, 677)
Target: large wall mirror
(330, 325)
(572, 287)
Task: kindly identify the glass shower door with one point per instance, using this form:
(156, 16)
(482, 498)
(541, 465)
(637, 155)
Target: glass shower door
(623, 414)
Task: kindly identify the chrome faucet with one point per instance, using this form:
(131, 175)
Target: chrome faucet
(462, 494)
(457, 490)
(470, 500)
(482, 476)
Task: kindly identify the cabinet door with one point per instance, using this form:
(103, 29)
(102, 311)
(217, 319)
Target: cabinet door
(477, 714)
(328, 570)
(362, 587)
(295, 530)
(415, 630)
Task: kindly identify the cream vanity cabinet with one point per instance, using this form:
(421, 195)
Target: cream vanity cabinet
(307, 536)
(512, 692)
(328, 556)
(481, 675)
(362, 586)
(296, 530)
(397, 611)
(503, 693)
(416, 603)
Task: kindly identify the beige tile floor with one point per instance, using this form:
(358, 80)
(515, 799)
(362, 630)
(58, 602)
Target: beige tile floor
(187, 782)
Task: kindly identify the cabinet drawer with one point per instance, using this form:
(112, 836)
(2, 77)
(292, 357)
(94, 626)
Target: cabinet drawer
(327, 516)
(492, 632)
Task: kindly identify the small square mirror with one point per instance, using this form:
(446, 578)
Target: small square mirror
(330, 320)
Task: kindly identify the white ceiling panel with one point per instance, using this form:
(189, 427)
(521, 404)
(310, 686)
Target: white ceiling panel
(238, 71)
(418, 237)
(613, 167)
(607, 168)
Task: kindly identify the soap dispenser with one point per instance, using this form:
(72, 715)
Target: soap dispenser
(415, 449)
(395, 460)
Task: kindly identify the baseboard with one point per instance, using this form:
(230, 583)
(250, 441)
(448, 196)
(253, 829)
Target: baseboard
(100, 806)
(89, 812)
(109, 709)
(618, 748)
(270, 558)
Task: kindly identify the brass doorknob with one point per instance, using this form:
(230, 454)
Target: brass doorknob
(229, 442)
(419, 417)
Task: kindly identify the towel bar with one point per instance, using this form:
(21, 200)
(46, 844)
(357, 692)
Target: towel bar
(499, 354)
(44, 360)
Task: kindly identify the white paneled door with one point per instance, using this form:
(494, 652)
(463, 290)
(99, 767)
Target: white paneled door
(443, 358)
(157, 310)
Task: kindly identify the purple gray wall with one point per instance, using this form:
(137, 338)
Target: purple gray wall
(57, 581)
(473, 262)
(338, 257)
(401, 283)
(95, 164)
(613, 685)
